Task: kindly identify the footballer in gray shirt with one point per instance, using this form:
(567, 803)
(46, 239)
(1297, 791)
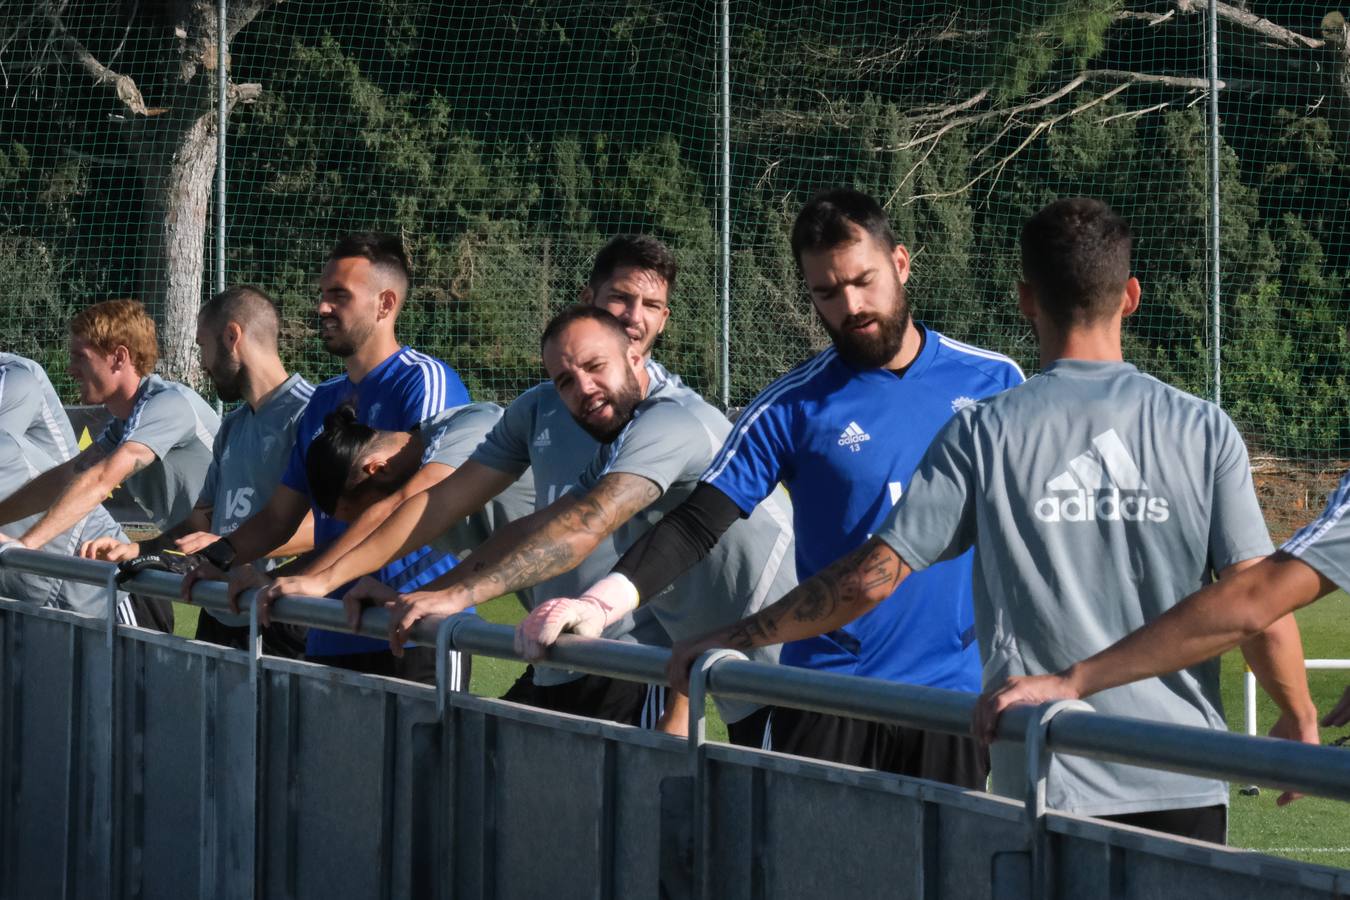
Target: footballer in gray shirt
(158, 442)
(29, 406)
(1309, 566)
(20, 462)
(179, 427)
(656, 441)
(1095, 497)
(249, 454)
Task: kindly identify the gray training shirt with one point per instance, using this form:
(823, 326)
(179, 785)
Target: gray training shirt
(1095, 497)
(670, 441)
(29, 406)
(450, 438)
(248, 455)
(179, 428)
(1324, 543)
(538, 433)
(20, 462)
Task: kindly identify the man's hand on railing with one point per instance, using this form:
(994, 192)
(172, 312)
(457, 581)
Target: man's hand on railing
(110, 549)
(540, 629)
(246, 578)
(1291, 728)
(292, 585)
(683, 656)
(1017, 690)
(196, 541)
(1340, 713)
(604, 603)
(406, 609)
(203, 571)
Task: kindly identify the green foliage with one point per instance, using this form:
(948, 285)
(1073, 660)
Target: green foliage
(506, 141)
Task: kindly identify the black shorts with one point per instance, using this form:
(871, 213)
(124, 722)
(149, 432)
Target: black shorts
(278, 639)
(154, 613)
(948, 758)
(752, 731)
(1202, 823)
(416, 664)
(593, 696)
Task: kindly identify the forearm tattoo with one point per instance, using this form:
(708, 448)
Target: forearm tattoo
(564, 541)
(834, 596)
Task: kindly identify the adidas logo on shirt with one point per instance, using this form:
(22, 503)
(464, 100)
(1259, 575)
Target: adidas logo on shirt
(542, 439)
(852, 436)
(1101, 485)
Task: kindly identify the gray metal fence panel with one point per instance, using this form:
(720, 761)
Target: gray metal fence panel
(538, 794)
(1092, 859)
(187, 744)
(54, 780)
(337, 794)
(782, 827)
(130, 768)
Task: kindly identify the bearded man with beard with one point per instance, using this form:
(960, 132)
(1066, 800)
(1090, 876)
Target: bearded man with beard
(363, 287)
(843, 432)
(237, 333)
(655, 436)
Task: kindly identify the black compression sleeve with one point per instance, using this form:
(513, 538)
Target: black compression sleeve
(684, 536)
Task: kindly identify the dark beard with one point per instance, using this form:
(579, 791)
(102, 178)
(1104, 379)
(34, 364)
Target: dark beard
(873, 352)
(344, 344)
(227, 376)
(624, 401)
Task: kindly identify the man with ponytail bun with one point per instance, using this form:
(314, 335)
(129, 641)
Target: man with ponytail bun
(362, 289)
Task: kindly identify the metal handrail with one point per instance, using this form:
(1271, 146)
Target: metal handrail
(1197, 751)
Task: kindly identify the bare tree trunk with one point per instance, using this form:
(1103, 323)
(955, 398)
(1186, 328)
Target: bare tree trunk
(175, 286)
(177, 143)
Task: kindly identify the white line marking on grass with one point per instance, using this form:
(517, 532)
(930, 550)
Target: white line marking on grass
(1306, 850)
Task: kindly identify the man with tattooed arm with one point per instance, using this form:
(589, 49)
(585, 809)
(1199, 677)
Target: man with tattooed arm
(843, 432)
(1095, 497)
(656, 437)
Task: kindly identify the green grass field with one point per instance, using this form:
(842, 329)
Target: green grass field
(1311, 829)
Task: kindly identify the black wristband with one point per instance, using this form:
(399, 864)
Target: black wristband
(219, 553)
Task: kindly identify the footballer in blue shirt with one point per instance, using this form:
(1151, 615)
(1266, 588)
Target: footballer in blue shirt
(844, 433)
(363, 287)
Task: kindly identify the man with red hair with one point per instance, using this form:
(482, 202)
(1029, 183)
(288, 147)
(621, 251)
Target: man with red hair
(158, 442)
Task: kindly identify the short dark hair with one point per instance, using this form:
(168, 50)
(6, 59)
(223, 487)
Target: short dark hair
(641, 251)
(827, 221)
(577, 312)
(333, 455)
(1076, 255)
(249, 307)
(383, 250)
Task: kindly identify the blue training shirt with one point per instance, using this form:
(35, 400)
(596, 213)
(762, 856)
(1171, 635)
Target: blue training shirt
(397, 395)
(845, 442)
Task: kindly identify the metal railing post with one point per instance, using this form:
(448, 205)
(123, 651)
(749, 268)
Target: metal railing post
(698, 736)
(1038, 776)
(114, 740)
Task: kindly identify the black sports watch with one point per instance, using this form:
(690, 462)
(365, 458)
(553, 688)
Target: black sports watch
(220, 554)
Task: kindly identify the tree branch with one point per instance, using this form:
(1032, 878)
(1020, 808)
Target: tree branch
(123, 86)
(1285, 37)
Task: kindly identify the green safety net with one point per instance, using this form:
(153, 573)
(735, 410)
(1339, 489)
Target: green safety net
(507, 141)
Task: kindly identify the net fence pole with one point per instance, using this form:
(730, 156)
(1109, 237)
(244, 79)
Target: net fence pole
(222, 79)
(1216, 355)
(726, 203)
